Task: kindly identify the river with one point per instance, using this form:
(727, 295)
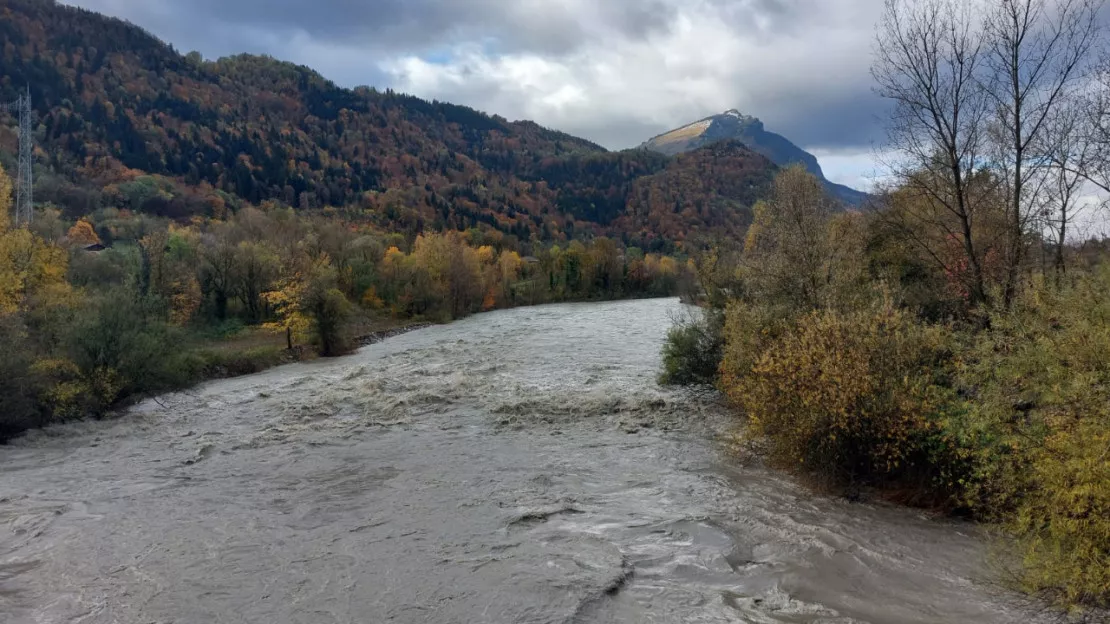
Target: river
(517, 466)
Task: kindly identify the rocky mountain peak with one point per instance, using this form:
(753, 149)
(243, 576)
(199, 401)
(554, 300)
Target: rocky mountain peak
(734, 125)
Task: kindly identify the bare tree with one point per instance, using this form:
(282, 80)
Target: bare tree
(976, 122)
(929, 61)
(1098, 119)
(1038, 51)
(1069, 156)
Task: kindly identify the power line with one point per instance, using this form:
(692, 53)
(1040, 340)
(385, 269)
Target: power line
(25, 177)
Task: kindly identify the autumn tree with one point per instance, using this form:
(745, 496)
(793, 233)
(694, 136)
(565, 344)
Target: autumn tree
(82, 233)
(29, 266)
(608, 266)
(309, 306)
(975, 96)
(509, 265)
(1097, 117)
(393, 275)
(454, 270)
(1071, 157)
(5, 198)
(155, 274)
(256, 267)
(787, 251)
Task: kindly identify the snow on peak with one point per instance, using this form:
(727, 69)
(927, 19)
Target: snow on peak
(738, 117)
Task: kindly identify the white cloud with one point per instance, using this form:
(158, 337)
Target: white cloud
(858, 169)
(798, 80)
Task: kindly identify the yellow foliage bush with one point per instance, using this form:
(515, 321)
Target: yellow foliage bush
(66, 394)
(1004, 413)
(371, 300)
(185, 300)
(847, 395)
(1064, 521)
(28, 265)
(1042, 424)
(106, 384)
(748, 329)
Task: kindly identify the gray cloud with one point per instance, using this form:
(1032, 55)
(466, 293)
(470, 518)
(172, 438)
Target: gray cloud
(399, 25)
(615, 72)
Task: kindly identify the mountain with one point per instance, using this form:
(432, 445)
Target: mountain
(127, 122)
(750, 131)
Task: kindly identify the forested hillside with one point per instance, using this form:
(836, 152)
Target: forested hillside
(115, 104)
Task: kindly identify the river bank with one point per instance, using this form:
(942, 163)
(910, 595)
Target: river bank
(256, 350)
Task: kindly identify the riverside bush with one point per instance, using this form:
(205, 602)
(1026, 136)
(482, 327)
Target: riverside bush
(122, 349)
(692, 350)
(748, 330)
(851, 396)
(1041, 420)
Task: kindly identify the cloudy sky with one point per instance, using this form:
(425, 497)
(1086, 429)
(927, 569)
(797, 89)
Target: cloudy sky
(614, 71)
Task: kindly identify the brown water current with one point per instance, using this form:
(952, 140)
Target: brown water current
(518, 466)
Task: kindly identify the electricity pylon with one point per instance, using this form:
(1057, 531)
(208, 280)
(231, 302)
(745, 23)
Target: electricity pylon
(25, 177)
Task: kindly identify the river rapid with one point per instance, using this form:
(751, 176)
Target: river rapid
(517, 466)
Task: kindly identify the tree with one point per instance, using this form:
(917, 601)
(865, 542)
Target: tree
(1037, 54)
(509, 265)
(393, 274)
(454, 270)
(928, 63)
(974, 99)
(256, 266)
(83, 234)
(1070, 154)
(787, 251)
(218, 272)
(29, 266)
(155, 276)
(609, 268)
(1097, 122)
(309, 305)
(5, 198)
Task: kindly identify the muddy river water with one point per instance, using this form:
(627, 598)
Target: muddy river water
(517, 466)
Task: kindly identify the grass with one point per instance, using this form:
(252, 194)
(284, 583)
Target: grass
(239, 350)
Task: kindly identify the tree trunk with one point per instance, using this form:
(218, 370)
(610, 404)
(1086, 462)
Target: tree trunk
(1060, 266)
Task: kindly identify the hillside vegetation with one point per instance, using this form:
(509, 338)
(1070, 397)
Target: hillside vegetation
(115, 104)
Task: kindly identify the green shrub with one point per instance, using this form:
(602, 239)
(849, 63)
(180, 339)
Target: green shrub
(232, 363)
(227, 328)
(123, 348)
(18, 386)
(692, 351)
